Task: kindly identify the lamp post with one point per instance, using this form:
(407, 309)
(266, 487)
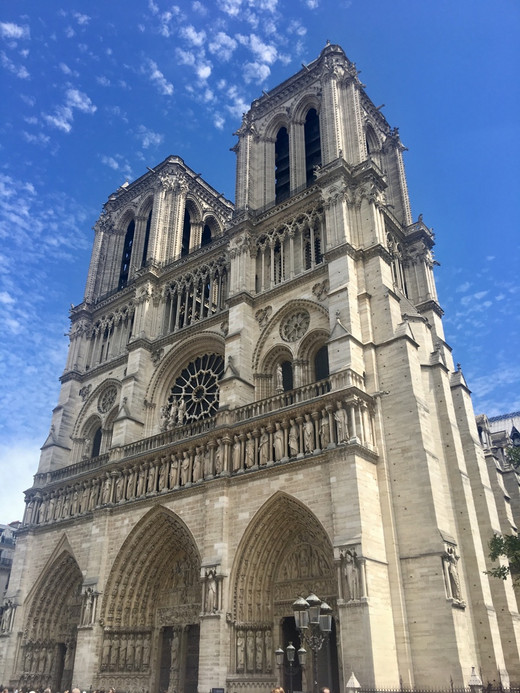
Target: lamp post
(290, 652)
(313, 619)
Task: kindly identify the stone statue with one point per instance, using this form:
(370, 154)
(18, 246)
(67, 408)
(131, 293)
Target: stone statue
(341, 419)
(308, 434)
(250, 451)
(278, 443)
(173, 414)
(263, 445)
(218, 460)
(208, 469)
(197, 465)
(181, 411)
(279, 378)
(174, 468)
(259, 651)
(450, 561)
(352, 574)
(237, 457)
(88, 606)
(211, 592)
(240, 651)
(294, 438)
(185, 469)
(324, 430)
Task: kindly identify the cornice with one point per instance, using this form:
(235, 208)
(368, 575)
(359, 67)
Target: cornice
(430, 305)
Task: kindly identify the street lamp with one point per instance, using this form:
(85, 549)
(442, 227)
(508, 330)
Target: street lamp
(290, 652)
(313, 619)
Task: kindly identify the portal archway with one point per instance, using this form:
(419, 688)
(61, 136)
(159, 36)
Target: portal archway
(151, 609)
(49, 643)
(285, 553)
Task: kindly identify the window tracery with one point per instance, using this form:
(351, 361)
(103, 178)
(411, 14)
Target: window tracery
(196, 296)
(195, 394)
(286, 252)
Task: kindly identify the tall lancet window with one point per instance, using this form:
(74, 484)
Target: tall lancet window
(146, 239)
(127, 255)
(186, 234)
(282, 172)
(312, 144)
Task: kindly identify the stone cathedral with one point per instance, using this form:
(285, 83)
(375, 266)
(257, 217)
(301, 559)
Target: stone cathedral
(259, 404)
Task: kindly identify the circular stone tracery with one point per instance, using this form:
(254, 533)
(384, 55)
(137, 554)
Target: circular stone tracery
(295, 326)
(198, 387)
(106, 399)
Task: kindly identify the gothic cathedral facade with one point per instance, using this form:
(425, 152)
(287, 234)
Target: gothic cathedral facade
(259, 404)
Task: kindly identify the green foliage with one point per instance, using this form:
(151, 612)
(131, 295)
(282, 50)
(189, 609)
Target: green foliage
(505, 546)
(513, 456)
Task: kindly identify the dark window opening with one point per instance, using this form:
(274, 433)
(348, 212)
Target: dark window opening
(321, 363)
(287, 376)
(127, 255)
(96, 442)
(206, 236)
(186, 234)
(318, 258)
(281, 159)
(312, 144)
(146, 239)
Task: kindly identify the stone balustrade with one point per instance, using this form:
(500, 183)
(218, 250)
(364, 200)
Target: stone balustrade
(236, 442)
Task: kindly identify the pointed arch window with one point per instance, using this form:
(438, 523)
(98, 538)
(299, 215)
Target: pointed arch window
(321, 363)
(127, 255)
(146, 238)
(206, 236)
(282, 171)
(186, 234)
(312, 144)
(96, 442)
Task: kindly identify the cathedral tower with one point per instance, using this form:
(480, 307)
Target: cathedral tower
(259, 404)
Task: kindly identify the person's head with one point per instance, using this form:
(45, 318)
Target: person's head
(324, 690)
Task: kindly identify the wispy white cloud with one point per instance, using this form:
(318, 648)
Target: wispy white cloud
(82, 19)
(196, 38)
(255, 72)
(222, 46)
(63, 115)
(19, 71)
(157, 78)
(9, 30)
(149, 138)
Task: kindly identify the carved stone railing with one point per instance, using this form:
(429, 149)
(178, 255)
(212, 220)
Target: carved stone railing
(202, 451)
(168, 437)
(85, 465)
(338, 381)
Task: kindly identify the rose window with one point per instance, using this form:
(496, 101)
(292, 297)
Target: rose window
(107, 399)
(196, 390)
(295, 326)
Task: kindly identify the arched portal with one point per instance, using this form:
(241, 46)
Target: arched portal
(49, 643)
(151, 609)
(284, 554)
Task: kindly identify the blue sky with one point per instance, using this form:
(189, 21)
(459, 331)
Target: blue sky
(94, 92)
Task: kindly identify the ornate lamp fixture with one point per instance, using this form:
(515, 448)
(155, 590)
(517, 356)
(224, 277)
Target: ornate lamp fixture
(314, 621)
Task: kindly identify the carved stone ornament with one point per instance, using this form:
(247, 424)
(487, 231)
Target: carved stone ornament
(107, 398)
(295, 326)
(85, 392)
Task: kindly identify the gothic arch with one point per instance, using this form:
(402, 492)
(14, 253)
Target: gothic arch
(319, 316)
(53, 615)
(145, 206)
(194, 209)
(284, 553)
(158, 566)
(178, 358)
(305, 104)
(90, 407)
(279, 120)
